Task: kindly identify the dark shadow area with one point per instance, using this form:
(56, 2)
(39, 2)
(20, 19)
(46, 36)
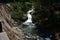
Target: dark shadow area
(0, 27)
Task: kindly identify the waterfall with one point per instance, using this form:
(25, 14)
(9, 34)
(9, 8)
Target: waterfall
(29, 20)
(28, 25)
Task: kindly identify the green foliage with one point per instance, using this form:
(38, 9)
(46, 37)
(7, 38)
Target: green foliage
(19, 9)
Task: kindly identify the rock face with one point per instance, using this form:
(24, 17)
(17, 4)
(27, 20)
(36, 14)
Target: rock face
(8, 26)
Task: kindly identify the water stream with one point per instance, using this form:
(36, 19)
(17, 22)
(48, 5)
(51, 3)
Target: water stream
(28, 27)
(28, 23)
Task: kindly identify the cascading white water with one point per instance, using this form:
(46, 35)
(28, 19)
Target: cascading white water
(29, 20)
(28, 26)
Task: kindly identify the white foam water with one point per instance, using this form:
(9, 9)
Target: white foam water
(29, 20)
